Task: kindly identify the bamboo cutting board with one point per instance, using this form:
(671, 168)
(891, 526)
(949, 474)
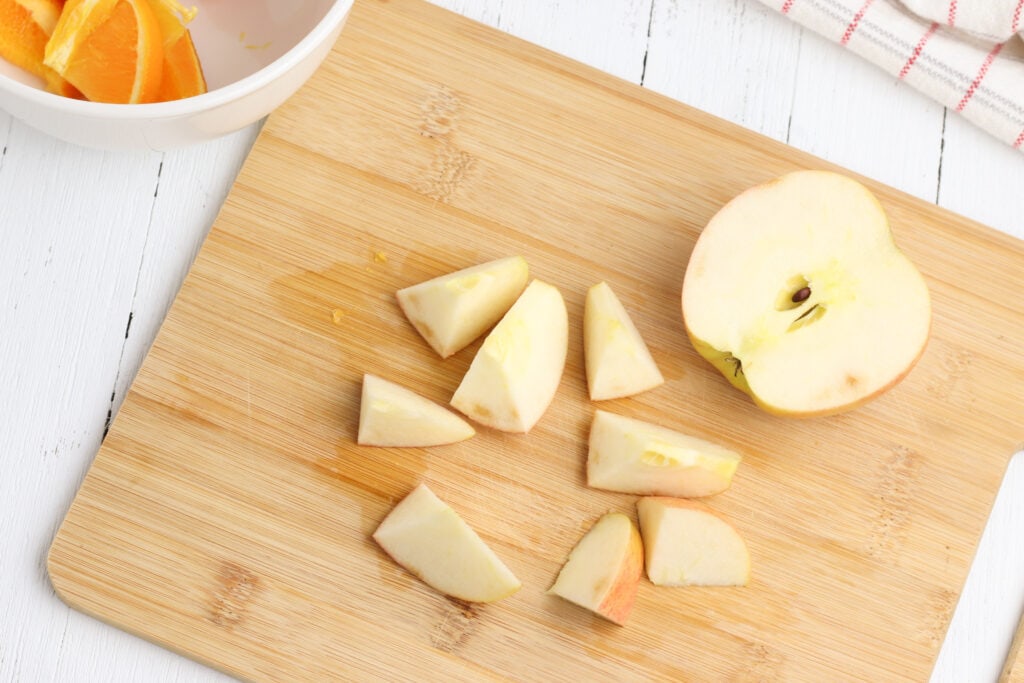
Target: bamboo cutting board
(1013, 670)
(228, 514)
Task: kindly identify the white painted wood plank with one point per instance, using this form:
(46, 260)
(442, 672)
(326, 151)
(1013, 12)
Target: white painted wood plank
(852, 113)
(982, 178)
(6, 122)
(74, 227)
(610, 35)
(993, 597)
(771, 76)
(735, 59)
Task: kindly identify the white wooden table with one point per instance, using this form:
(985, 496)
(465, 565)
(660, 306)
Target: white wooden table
(95, 245)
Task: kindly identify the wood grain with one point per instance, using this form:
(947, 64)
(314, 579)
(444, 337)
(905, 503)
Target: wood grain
(1013, 671)
(228, 514)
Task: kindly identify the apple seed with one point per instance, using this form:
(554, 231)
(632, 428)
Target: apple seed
(801, 295)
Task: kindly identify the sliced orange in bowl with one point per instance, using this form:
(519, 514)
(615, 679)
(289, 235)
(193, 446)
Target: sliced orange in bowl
(111, 50)
(183, 74)
(25, 28)
(173, 17)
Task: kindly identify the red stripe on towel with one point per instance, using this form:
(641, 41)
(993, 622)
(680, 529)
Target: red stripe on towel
(981, 75)
(855, 22)
(919, 48)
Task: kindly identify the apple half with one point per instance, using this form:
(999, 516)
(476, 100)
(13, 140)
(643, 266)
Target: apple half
(617, 360)
(688, 544)
(633, 456)
(797, 293)
(517, 369)
(430, 540)
(452, 310)
(604, 569)
(391, 415)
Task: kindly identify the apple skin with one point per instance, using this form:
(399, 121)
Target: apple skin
(391, 415)
(516, 372)
(429, 539)
(828, 232)
(633, 456)
(686, 543)
(618, 362)
(603, 571)
(451, 311)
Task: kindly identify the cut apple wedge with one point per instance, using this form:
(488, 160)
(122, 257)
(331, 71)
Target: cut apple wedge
(618, 361)
(797, 293)
(430, 540)
(604, 569)
(391, 415)
(452, 310)
(687, 544)
(516, 372)
(633, 456)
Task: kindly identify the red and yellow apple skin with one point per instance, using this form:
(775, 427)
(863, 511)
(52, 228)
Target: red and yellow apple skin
(797, 293)
(603, 571)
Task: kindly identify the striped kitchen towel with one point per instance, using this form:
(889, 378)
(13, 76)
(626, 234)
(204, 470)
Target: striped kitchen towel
(968, 55)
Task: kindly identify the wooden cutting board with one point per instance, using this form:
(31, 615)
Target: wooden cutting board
(1013, 670)
(228, 514)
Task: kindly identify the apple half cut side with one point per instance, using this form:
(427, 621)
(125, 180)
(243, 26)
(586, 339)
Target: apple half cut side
(391, 415)
(633, 456)
(604, 569)
(430, 540)
(687, 544)
(517, 370)
(618, 362)
(797, 293)
(452, 310)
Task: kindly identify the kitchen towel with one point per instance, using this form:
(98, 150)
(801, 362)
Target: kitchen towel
(966, 54)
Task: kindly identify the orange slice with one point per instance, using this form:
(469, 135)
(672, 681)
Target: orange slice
(173, 17)
(183, 74)
(111, 50)
(25, 27)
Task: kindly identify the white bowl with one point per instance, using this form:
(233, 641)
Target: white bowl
(255, 54)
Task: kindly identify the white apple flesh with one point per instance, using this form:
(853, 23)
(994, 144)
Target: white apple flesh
(798, 294)
(687, 544)
(452, 310)
(430, 540)
(633, 456)
(604, 569)
(391, 415)
(516, 372)
(618, 361)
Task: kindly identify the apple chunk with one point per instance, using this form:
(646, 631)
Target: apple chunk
(391, 415)
(618, 361)
(633, 456)
(798, 294)
(452, 310)
(516, 372)
(687, 544)
(604, 569)
(429, 539)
